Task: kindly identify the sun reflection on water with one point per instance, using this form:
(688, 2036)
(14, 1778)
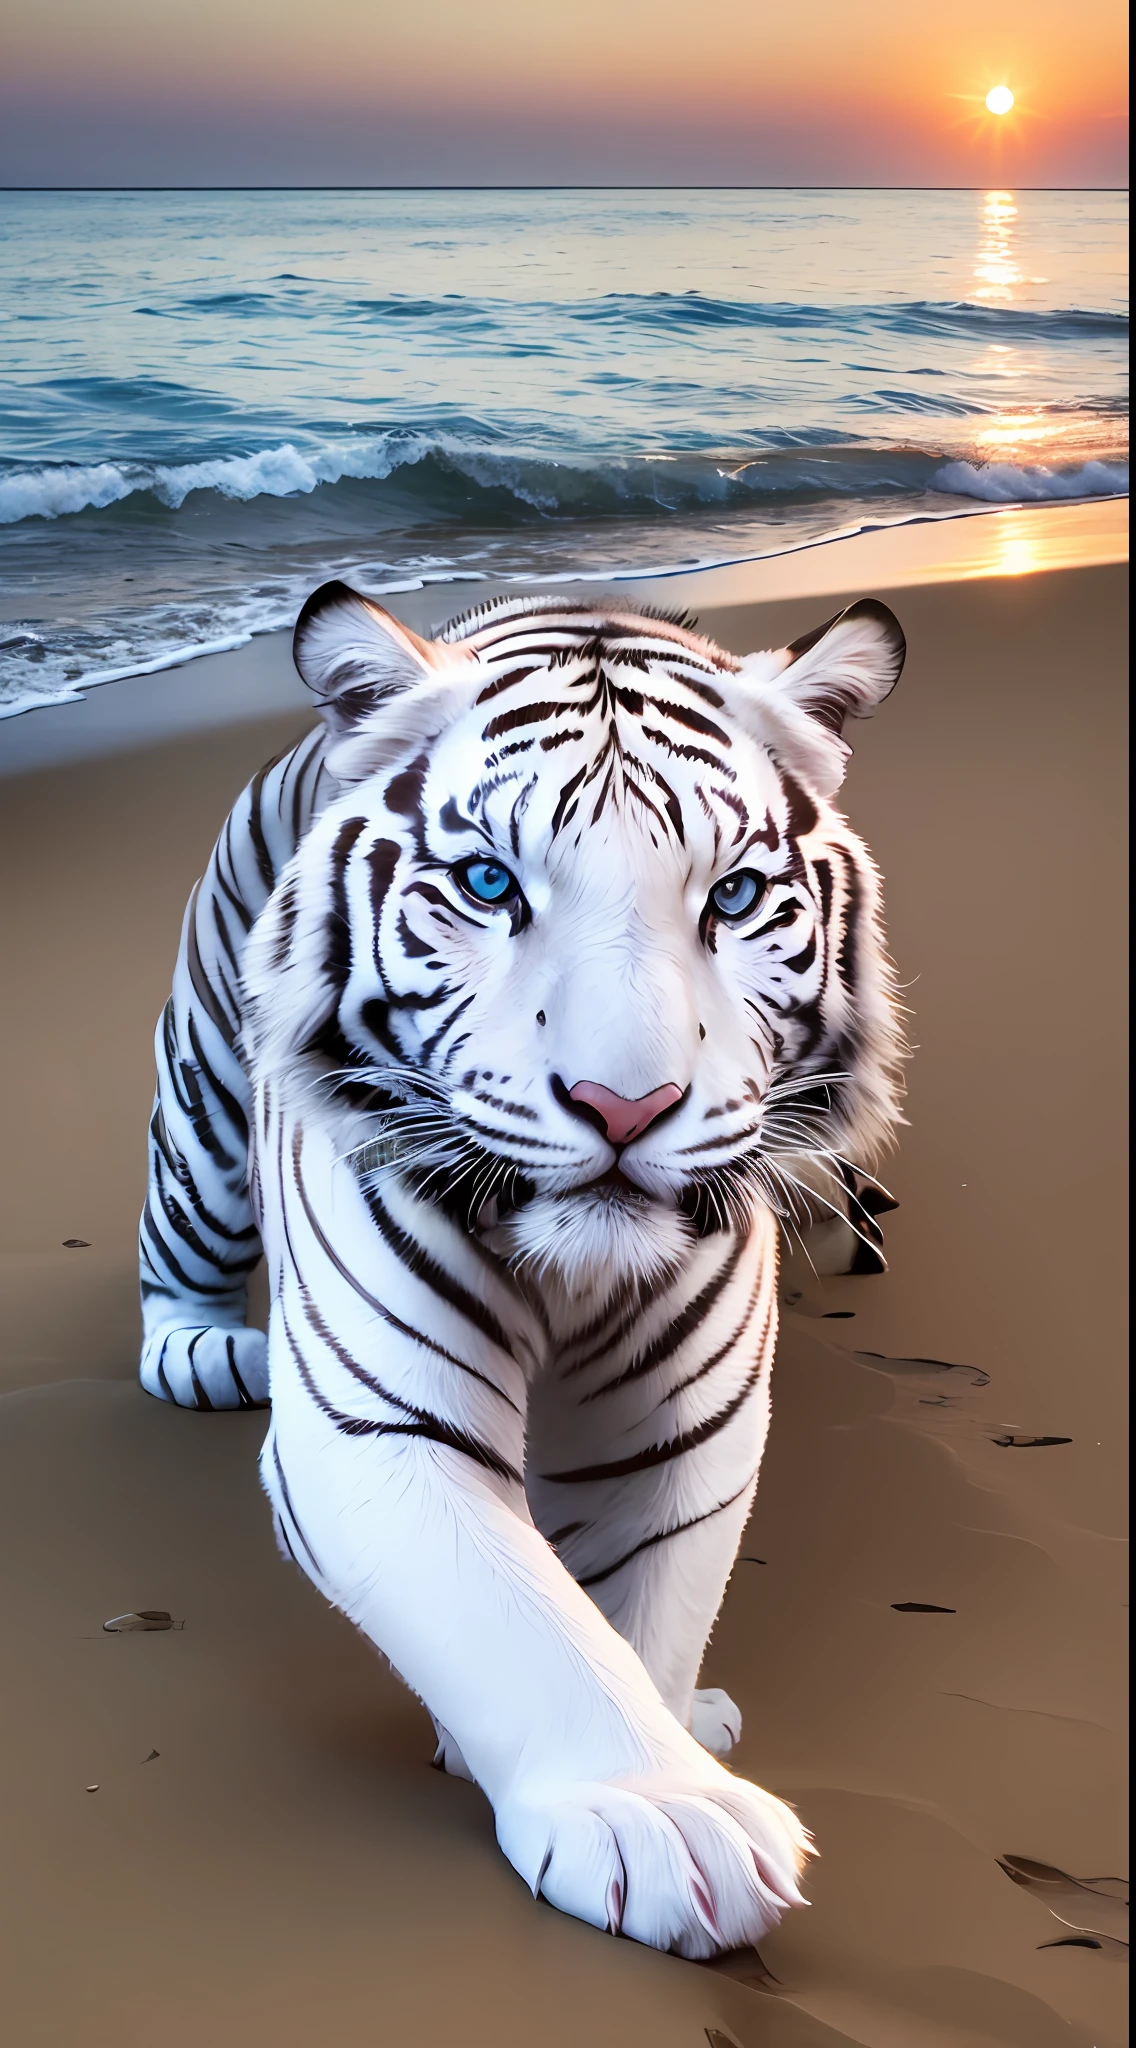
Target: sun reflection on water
(996, 272)
(1029, 438)
(1018, 435)
(1021, 430)
(996, 267)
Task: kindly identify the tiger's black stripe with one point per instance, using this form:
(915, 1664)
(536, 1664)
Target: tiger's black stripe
(385, 1314)
(445, 1285)
(427, 1427)
(662, 1454)
(590, 1579)
(679, 1329)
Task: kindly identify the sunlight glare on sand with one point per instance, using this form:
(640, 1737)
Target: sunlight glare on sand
(1016, 552)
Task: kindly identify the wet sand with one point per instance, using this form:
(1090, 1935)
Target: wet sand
(287, 1868)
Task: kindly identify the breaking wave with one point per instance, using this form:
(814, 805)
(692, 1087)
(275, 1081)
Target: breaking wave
(1004, 483)
(533, 484)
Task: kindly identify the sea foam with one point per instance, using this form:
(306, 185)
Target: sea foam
(1004, 483)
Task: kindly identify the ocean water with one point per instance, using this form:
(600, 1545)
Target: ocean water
(211, 401)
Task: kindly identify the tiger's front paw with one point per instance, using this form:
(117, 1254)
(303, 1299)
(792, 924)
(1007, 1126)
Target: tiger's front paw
(715, 1721)
(695, 1868)
(202, 1366)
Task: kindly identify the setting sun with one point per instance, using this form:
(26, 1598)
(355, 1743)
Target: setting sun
(999, 99)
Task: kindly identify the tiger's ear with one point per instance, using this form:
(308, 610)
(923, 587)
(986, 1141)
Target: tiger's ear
(842, 669)
(353, 655)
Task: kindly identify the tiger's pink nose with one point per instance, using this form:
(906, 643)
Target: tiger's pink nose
(621, 1118)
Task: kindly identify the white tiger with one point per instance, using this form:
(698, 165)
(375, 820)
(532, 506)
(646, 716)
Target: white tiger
(545, 976)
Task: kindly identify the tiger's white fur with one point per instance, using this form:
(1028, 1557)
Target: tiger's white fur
(520, 1374)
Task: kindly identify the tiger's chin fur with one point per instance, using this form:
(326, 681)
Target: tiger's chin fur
(595, 1242)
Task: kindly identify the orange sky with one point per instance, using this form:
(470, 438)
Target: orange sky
(873, 91)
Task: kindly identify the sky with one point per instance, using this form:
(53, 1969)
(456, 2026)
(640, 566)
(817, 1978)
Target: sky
(584, 92)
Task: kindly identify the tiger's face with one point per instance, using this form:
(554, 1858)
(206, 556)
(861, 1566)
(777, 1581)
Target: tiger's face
(582, 946)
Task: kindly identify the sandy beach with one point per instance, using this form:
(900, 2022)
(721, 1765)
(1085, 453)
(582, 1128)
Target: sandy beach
(228, 1832)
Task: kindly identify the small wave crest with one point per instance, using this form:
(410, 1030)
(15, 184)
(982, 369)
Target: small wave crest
(53, 491)
(652, 312)
(1004, 483)
(928, 317)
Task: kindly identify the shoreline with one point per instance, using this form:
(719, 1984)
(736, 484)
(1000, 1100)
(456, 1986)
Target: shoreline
(254, 679)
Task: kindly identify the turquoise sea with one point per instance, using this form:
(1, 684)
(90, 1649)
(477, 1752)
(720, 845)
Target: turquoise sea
(209, 401)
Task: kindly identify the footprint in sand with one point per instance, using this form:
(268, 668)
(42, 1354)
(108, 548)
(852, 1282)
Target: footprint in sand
(1009, 1442)
(145, 1622)
(956, 1376)
(1094, 1909)
(933, 1395)
(923, 1368)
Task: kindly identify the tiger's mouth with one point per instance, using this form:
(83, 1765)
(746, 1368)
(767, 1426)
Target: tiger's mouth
(613, 1188)
(615, 1184)
(702, 1205)
(483, 1191)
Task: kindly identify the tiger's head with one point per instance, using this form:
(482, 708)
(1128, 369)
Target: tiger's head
(581, 945)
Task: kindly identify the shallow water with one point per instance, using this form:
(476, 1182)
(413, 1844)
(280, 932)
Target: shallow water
(212, 400)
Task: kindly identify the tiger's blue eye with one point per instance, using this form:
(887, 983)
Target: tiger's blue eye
(487, 881)
(737, 894)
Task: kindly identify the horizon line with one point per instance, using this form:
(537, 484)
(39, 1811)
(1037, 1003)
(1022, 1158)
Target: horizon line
(789, 185)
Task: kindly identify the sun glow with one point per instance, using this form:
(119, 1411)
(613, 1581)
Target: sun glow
(999, 99)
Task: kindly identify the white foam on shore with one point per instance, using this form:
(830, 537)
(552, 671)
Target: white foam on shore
(273, 619)
(67, 693)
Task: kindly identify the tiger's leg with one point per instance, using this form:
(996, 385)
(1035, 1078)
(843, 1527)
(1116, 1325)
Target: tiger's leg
(393, 1464)
(198, 1239)
(643, 1452)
